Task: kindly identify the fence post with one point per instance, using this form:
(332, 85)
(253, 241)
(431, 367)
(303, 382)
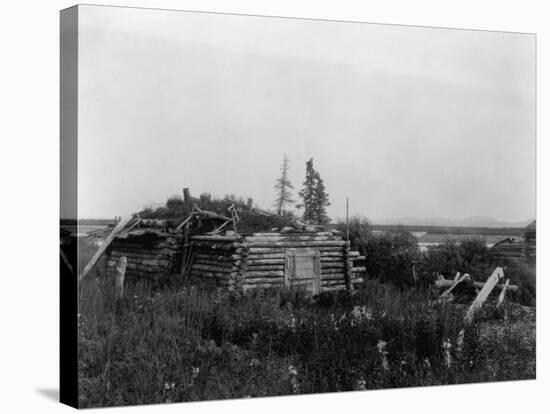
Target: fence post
(119, 277)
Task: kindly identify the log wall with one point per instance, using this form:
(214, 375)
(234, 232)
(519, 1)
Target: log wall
(150, 257)
(217, 259)
(258, 260)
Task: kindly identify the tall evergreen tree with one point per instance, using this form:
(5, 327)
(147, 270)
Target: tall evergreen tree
(284, 188)
(321, 201)
(307, 193)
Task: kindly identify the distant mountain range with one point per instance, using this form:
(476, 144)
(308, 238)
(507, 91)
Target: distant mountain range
(477, 221)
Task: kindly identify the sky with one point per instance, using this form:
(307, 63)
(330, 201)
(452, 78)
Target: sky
(405, 121)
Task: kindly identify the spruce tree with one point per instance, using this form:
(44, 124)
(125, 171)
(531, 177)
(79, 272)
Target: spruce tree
(321, 201)
(284, 188)
(307, 193)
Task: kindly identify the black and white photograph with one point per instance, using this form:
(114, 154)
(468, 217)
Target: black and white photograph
(258, 206)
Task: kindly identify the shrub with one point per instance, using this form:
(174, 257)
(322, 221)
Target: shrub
(390, 256)
(466, 256)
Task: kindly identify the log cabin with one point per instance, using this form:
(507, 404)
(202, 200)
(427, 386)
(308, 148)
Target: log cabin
(243, 258)
(312, 260)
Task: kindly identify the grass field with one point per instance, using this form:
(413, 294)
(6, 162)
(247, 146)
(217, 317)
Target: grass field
(191, 344)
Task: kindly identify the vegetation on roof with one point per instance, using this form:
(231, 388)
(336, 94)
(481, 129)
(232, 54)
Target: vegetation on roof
(175, 211)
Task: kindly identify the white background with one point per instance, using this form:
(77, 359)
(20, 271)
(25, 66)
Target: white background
(29, 85)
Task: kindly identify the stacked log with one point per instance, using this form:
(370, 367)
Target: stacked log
(267, 252)
(218, 259)
(150, 257)
(258, 260)
(357, 271)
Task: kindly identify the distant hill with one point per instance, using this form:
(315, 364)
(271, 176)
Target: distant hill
(477, 221)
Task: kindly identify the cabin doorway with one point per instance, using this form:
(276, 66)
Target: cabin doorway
(303, 270)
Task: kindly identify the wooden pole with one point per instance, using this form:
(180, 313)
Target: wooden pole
(503, 293)
(249, 203)
(186, 197)
(347, 218)
(119, 278)
(120, 225)
(492, 281)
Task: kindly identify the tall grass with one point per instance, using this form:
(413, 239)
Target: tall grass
(198, 344)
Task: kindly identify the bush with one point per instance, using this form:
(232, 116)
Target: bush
(466, 256)
(390, 256)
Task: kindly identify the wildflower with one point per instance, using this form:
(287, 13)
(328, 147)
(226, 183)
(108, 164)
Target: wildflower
(169, 386)
(360, 385)
(195, 372)
(293, 372)
(333, 322)
(381, 347)
(447, 351)
(460, 342)
(360, 314)
(427, 363)
(254, 362)
(292, 323)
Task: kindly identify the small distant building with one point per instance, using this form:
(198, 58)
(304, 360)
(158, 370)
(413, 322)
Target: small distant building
(516, 249)
(530, 241)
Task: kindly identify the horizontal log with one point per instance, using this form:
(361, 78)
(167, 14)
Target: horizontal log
(302, 233)
(331, 259)
(278, 249)
(263, 280)
(214, 248)
(142, 250)
(262, 256)
(290, 238)
(219, 269)
(331, 243)
(266, 268)
(223, 265)
(272, 273)
(141, 262)
(334, 276)
(213, 259)
(332, 265)
(332, 271)
(258, 262)
(229, 239)
(358, 269)
(332, 254)
(446, 283)
(214, 256)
